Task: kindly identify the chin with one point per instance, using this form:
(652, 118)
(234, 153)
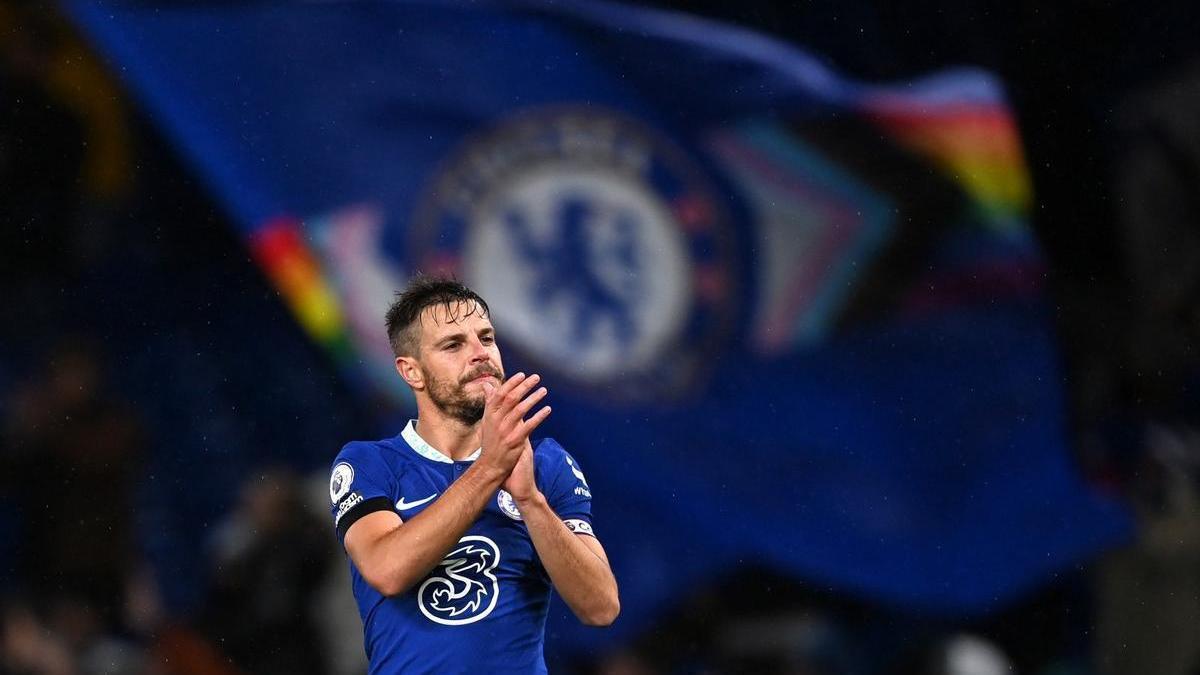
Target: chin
(473, 399)
(470, 414)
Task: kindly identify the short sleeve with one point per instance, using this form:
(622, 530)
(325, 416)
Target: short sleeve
(359, 484)
(565, 486)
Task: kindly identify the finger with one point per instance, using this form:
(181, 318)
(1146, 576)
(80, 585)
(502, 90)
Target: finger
(532, 423)
(514, 395)
(519, 392)
(530, 401)
(489, 390)
(497, 398)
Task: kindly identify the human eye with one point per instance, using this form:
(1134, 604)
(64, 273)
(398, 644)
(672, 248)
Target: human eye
(488, 339)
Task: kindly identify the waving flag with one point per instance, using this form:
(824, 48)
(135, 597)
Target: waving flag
(786, 316)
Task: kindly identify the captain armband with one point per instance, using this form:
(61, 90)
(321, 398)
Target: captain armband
(579, 526)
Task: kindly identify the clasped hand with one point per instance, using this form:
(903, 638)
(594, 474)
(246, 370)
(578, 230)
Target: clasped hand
(505, 432)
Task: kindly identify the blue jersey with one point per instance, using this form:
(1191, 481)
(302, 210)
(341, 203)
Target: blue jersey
(483, 609)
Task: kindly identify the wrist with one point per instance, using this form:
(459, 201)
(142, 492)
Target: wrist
(487, 473)
(533, 500)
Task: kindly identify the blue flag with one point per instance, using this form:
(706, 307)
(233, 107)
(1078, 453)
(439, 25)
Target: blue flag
(786, 316)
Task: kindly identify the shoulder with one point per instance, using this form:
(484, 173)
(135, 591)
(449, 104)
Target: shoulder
(368, 457)
(357, 453)
(553, 459)
(548, 448)
(361, 471)
(550, 454)
(368, 450)
(356, 449)
(562, 478)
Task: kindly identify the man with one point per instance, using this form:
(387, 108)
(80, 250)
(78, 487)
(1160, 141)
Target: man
(457, 527)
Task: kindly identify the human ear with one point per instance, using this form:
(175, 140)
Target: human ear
(410, 371)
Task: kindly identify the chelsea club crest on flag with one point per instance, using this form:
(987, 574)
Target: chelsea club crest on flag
(787, 316)
(603, 244)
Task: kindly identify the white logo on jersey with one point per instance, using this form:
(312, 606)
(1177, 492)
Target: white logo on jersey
(339, 481)
(404, 506)
(578, 474)
(506, 503)
(354, 499)
(462, 589)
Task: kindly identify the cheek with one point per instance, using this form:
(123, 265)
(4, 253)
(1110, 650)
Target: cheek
(437, 371)
(449, 377)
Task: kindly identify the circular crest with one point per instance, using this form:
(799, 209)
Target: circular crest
(506, 503)
(597, 243)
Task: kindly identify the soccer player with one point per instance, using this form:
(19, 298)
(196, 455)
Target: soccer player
(457, 527)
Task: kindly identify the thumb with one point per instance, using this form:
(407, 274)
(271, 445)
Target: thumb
(488, 390)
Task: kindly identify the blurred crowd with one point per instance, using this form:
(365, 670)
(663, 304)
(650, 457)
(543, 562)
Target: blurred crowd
(97, 525)
(84, 489)
(81, 598)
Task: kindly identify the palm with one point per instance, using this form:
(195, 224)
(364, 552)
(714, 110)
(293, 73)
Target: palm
(520, 483)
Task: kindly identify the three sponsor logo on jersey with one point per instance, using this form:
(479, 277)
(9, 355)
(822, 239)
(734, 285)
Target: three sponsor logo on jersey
(463, 588)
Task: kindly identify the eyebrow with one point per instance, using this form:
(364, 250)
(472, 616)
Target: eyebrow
(450, 338)
(462, 335)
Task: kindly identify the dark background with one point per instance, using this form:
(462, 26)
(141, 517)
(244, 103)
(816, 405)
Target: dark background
(128, 296)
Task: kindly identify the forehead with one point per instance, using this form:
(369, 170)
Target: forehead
(442, 319)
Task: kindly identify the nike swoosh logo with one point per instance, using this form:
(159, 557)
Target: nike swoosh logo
(404, 506)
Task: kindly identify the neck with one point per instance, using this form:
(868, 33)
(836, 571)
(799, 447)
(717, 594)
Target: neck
(452, 437)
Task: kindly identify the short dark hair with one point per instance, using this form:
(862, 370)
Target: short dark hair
(422, 292)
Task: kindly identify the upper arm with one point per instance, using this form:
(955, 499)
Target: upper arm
(363, 544)
(360, 484)
(360, 492)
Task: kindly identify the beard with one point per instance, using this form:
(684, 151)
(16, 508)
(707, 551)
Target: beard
(453, 400)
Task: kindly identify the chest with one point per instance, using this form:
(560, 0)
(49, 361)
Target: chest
(416, 488)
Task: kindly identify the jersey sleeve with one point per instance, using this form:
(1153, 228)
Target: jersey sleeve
(359, 484)
(565, 486)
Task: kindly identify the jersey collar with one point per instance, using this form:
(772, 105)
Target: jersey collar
(426, 450)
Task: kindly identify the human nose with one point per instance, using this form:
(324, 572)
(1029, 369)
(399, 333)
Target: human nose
(479, 352)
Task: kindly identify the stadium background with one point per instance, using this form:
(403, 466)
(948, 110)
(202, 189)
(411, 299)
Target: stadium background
(168, 422)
